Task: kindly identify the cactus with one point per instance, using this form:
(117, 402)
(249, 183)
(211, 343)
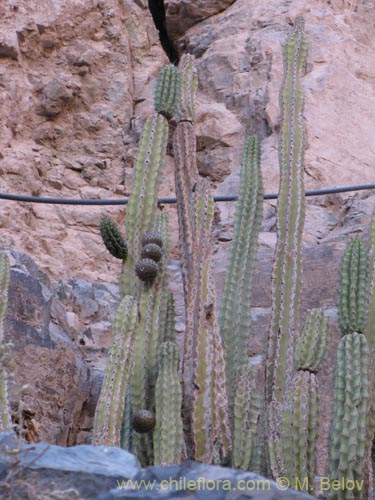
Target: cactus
(354, 286)
(247, 408)
(188, 88)
(370, 336)
(112, 239)
(152, 312)
(170, 324)
(206, 422)
(5, 415)
(300, 430)
(301, 416)
(167, 91)
(312, 343)
(110, 408)
(203, 360)
(351, 393)
(141, 211)
(235, 305)
(287, 269)
(168, 437)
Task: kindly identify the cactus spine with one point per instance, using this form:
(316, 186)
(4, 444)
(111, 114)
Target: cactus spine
(5, 415)
(206, 421)
(168, 438)
(351, 392)
(287, 270)
(110, 408)
(301, 415)
(235, 306)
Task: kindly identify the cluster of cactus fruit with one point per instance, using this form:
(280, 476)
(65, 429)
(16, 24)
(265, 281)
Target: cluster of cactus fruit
(147, 267)
(208, 405)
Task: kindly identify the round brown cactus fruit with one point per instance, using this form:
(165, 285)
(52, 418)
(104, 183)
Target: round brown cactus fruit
(152, 237)
(151, 251)
(146, 270)
(143, 421)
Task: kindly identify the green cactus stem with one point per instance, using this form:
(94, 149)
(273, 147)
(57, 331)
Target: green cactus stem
(141, 211)
(351, 395)
(370, 335)
(167, 91)
(168, 437)
(110, 408)
(235, 319)
(112, 239)
(287, 269)
(5, 414)
(203, 360)
(300, 430)
(301, 416)
(152, 316)
(170, 323)
(312, 343)
(247, 407)
(354, 286)
(188, 88)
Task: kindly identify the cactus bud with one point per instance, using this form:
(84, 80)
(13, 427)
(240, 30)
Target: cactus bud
(146, 270)
(143, 421)
(151, 251)
(112, 239)
(152, 238)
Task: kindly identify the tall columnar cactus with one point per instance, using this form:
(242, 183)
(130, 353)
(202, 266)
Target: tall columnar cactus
(5, 415)
(168, 437)
(354, 286)
(206, 422)
(247, 408)
(188, 88)
(152, 319)
(167, 91)
(235, 309)
(351, 391)
(287, 269)
(301, 416)
(110, 408)
(140, 214)
(370, 336)
(147, 262)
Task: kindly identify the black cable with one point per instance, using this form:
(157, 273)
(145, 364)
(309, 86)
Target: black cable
(163, 201)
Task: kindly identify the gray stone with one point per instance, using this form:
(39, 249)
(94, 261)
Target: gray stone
(106, 473)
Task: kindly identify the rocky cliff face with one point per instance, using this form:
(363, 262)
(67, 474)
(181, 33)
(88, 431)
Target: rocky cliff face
(76, 81)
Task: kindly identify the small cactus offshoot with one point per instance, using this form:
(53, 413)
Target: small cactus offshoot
(146, 270)
(151, 251)
(112, 239)
(143, 421)
(167, 90)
